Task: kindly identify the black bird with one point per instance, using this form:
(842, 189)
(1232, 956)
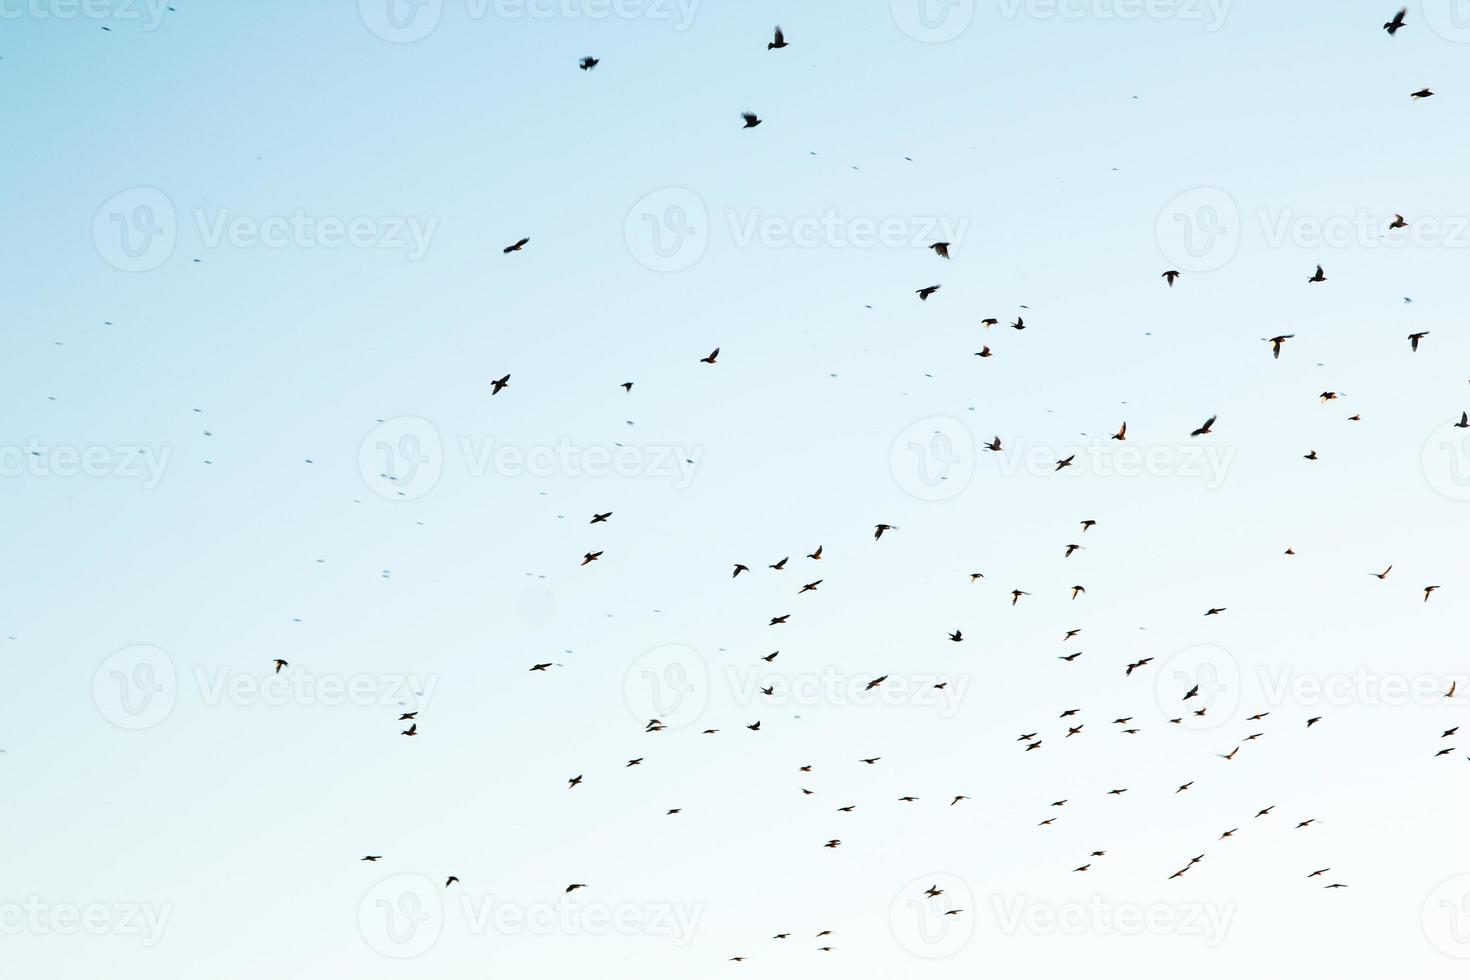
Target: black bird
(751, 120)
(779, 41)
(1398, 21)
(516, 247)
(587, 63)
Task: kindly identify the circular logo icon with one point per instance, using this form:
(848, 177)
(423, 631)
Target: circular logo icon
(401, 21)
(1446, 917)
(1199, 230)
(668, 230)
(670, 683)
(1450, 19)
(402, 458)
(401, 917)
(1200, 684)
(135, 230)
(136, 687)
(1446, 460)
(933, 459)
(933, 916)
(932, 21)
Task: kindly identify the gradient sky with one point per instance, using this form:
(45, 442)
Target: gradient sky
(292, 452)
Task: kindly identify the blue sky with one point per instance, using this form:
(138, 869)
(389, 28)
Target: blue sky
(255, 299)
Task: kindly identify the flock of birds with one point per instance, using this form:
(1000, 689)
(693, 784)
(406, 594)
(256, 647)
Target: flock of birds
(1071, 725)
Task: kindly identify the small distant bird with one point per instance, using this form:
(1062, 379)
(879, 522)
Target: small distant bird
(499, 385)
(1016, 595)
(1394, 25)
(1215, 610)
(1268, 809)
(738, 569)
(574, 781)
(941, 249)
(1170, 276)
(754, 727)
(1020, 324)
(1276, 343)
(1313, 721)
(778, 620)
(1464, 422)
(778, 566)
(1311, 455)
(994, 445)
(956, 636)
(816, 555)
(1122, 434)
(751, 120)
(1064, 463)
(778, 42)
(711, 357)
(281, 663)
(590, 557)
(450, 880)
(1318, 276)
(600, 518)
(984, 352)
(1397, 222)
(810, 586)
(572, 888)
(1076, 589)
(927, 291)
(989, 322)
(411, 730)
(1414, 339)
(515, 247)
(878, 530)
(373, 857)
(542, 667)
(1205, 429)
(1383, 574)
(588, 63)
(1423, 93)
(1428, 589)
(626, 386)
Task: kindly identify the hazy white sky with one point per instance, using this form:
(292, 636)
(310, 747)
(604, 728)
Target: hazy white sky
(255, 299)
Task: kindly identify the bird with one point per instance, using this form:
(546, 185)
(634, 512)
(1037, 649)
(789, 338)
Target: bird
(1215, 610)
(941, 249)
(778, 566)
(710, 357)
(810, 586)
(411, 730)
(878, 530)
(588, 63)
(1170, 276)
(1318, 276)
(1076, 590)
(1383, 574)
(927, 291)
(778, 42)
(516, 246)
(1397, 222)
(450, 880)
(1427, 590)
(1016, 595)
(816, 555)
(1414, 339)
(956, 636)
(751, 120)
(573, 887)
(499, 385)
(1205, 429)
(600, 518)
(1122, 434)
(1064, 463)
(1464, 422)
(1276, 343)
(1397, 23)
(373, 857)
(1423, 93)
(574, 782)
(590, 557)
(984, 351)
(279, 664)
